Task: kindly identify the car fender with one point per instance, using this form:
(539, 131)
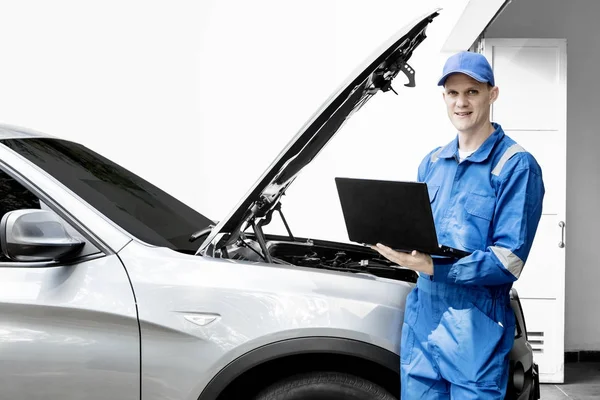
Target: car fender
(297, 346)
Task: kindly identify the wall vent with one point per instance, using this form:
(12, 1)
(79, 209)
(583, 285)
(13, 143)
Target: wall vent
(536, 339)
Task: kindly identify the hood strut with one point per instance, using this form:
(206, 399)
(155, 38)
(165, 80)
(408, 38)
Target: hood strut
(260, 236)
(287, 228)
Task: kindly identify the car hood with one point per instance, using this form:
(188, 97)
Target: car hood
(374, 74)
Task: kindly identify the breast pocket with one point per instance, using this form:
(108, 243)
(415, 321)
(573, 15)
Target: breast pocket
(476, 221)
(432, 190)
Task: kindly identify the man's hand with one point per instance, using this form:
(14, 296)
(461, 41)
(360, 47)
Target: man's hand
(416, 261)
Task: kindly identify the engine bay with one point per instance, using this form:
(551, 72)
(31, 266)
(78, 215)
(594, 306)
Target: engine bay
(256, 246)
(318, 254)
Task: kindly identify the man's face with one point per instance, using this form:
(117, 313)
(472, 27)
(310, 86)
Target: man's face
(468, 102)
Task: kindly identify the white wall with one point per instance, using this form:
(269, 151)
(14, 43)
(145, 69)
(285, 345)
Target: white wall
(200, 96)
(575, 20)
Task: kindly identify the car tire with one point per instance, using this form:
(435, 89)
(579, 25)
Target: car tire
(324, 386)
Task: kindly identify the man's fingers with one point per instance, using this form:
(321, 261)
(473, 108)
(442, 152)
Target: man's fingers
(414, 260)
(392, 255)
(387, 250)
(384, 251)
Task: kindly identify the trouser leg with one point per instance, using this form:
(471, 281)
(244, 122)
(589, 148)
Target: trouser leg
(420, 378)
(471, 346)
(486, 392)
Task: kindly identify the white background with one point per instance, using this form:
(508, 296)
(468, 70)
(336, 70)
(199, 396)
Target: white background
(199, 97)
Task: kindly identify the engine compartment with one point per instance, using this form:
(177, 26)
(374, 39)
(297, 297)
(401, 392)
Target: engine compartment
(318, 254)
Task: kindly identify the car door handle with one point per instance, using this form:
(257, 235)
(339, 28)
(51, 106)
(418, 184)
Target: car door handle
(561, 244)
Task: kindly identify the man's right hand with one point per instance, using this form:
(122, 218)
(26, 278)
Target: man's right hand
(415, 260)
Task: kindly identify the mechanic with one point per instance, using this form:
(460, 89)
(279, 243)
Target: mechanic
(486, 195)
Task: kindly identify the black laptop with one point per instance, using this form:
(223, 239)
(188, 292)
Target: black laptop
(396, 214)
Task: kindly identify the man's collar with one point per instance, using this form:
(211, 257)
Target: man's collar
(482, 153)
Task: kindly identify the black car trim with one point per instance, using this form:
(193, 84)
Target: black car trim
(298, 346)
(104, 248)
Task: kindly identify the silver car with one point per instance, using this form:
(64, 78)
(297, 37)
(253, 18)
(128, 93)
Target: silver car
(111, 288)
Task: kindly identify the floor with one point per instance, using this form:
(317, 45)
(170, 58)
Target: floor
(582, 382)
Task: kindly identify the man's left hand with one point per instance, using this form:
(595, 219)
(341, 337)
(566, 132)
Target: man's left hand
(416, 261)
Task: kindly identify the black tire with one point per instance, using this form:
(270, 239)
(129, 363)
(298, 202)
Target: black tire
(324, 386)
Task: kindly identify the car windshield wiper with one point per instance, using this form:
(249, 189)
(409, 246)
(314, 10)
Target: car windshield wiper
(203, 232)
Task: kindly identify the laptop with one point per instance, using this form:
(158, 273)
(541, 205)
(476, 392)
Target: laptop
(394, 213)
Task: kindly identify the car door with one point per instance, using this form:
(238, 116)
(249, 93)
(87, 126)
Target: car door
(67, 331)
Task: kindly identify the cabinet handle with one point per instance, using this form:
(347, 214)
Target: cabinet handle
(561, 244)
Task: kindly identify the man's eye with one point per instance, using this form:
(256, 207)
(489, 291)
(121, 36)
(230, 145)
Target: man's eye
(473, 92)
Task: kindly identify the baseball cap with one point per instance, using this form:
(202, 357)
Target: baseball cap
(473, 64)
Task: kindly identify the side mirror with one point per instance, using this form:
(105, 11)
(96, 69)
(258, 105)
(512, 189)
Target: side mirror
(33, 235)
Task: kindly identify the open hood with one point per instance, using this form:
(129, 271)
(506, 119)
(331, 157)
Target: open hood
(375, 74)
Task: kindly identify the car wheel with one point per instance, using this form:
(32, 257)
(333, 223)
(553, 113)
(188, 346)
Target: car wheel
(324, 386)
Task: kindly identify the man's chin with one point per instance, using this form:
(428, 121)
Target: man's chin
(461, 126)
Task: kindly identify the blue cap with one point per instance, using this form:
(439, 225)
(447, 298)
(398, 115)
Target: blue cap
(473, 64)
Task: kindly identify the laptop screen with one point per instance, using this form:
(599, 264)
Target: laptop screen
(397, 214)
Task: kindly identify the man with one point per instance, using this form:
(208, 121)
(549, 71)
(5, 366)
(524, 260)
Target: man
(486, 194)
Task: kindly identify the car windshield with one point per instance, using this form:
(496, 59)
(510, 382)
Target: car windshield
(136, 205)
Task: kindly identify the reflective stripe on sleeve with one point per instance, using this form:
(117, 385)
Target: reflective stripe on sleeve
(509, 260)
(511, 151)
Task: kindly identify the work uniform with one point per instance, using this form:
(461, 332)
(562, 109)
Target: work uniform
(459, 326)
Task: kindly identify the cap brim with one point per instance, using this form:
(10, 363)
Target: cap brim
(473, 75)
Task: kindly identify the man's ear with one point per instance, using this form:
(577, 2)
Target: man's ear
(494, 93)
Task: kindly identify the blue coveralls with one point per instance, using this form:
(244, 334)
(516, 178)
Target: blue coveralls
(458, 325)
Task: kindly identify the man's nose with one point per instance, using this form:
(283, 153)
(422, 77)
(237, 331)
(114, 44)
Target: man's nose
(461, 101)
